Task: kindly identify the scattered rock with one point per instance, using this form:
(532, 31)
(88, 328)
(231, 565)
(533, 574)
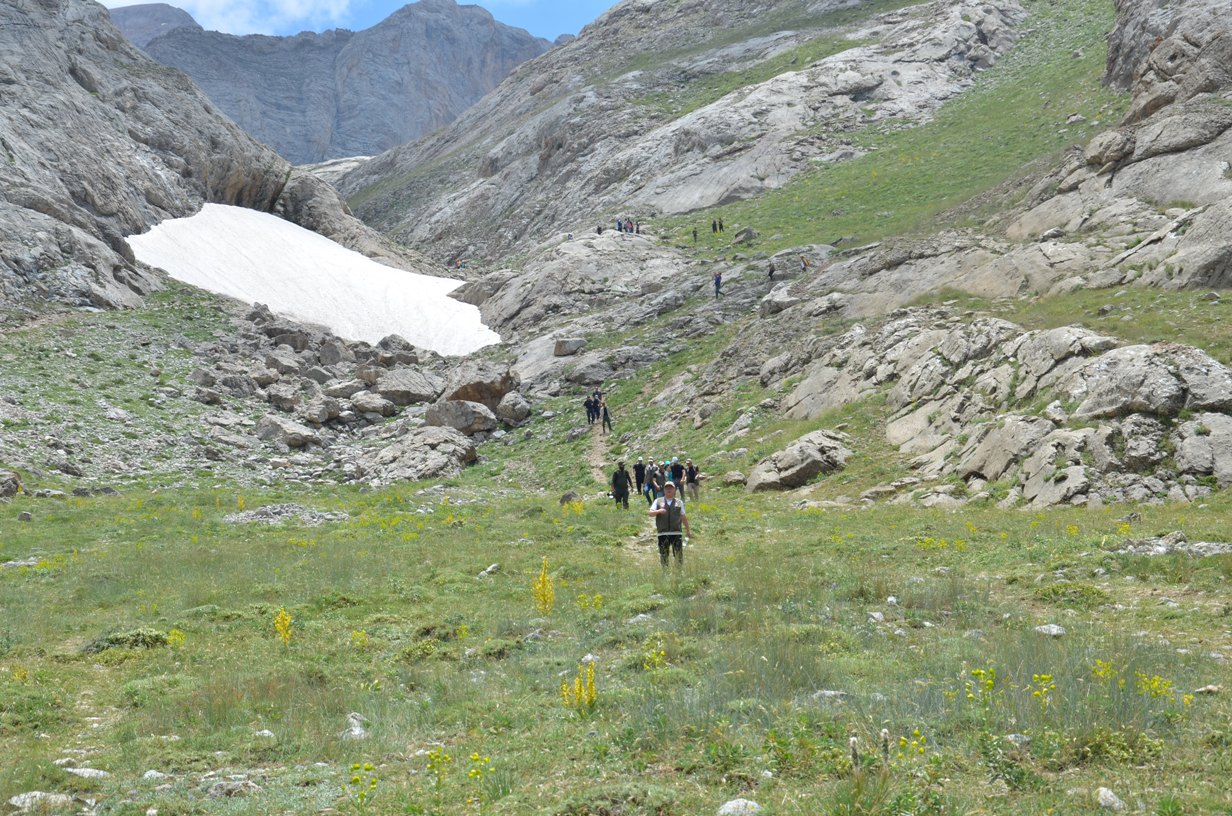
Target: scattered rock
(408, 386)
(811, 454)
(567, 348)
(40, 802)
(739, 807)
(25, 516)
(280, 513)
(10, 484)
(355, 729)
(1051, 630)
(429, 452)
(1174, 543)
(273, 428)
(489, 572)
(514, 409)
(1109, 800)
(88, 773)
(232, 788)
(462, 415)
(733, 477)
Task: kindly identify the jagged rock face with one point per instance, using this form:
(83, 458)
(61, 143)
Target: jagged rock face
(100, 142)
(577, 133)
(142, 23)
(341, 93)
(963, 401)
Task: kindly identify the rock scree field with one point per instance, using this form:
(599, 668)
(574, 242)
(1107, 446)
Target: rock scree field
(964, 539)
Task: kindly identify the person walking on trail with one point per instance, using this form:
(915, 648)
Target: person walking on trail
(718, 285)
(606, 416)
(770, 271)
(671, 524)
(677, 471)
(803, 264)
(720, 226)
(639, 474)
(654, 483)
(692, 480)
(714, 227)
(695, 235)
(621, 482)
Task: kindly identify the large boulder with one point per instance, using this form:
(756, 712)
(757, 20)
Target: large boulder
(282, 431)
(797, 464)
(407, 386)
(480, 381)
(422, 453)
(462, 415)
(10, 484)
(779, 299)
(514, 409)
(367, 402)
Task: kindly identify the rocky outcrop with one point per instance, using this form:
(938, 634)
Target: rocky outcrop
(800, 462)
(604, 124)
(421, 453)
(145, 21)
(100, 142)
(1139, 423)
(342, 93)
(470, 418)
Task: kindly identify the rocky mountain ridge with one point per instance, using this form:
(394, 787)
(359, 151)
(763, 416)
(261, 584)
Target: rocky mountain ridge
(580, 134)
(145, 21)
(101, 142)
(314, 97)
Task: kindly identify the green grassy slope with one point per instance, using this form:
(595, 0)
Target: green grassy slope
(1014, 116)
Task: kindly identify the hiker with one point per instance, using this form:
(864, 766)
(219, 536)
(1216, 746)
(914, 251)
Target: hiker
(714, 227)
(670, 519)
(803, 264)
(695, 235)
(639, 474)
(720, 226)
(677, 471)
(654, 483)
(620, 485)
(606, 415)
(599, 230)
(692, 480)
(637, 227)
(770, 271)
(620, 227)
(718, 285)
(590, 411)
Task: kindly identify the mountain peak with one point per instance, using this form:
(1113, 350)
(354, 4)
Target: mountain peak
(143, 22)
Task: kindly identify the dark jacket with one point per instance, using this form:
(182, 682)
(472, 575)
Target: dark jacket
(621, 480)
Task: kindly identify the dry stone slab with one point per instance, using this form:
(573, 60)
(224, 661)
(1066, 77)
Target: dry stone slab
(468, 417)
(797, 464)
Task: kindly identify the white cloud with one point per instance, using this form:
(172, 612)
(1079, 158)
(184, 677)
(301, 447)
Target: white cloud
(260, 16)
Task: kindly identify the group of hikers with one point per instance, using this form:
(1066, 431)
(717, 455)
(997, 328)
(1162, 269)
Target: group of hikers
(625, 225)
(659, 485)
(597, 411)
(770, 270)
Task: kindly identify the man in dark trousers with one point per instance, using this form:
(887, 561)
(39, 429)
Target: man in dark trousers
(671, 524)
(639, 473)
(718, 285)
(590, 411)
(677, 471)
(770, 271)
(621, 482)
(714, 227)
(605, 416)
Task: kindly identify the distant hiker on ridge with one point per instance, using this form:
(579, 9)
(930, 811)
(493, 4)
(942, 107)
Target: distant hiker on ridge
(714, 227)
(770, 271)
(606, 416)
(718, 285)
(720, 225)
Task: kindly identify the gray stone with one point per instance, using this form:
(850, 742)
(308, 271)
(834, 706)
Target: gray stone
(429, 452)
(733, 477)
(480, 381)
(407, 386)
(739, 807)
(810, 455)
(368, 403)
(779, 299)
(1108, 800)
(462, 415)
(280, 430)
(10, 484)
(1051, 630)
(41, 802)
(567, 348)
(514, 409)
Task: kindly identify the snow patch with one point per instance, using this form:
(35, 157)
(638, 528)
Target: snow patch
(260, 258)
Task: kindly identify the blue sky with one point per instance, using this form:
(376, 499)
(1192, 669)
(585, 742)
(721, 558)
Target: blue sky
(544, 18)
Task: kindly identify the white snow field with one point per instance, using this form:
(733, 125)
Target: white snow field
(260, 258)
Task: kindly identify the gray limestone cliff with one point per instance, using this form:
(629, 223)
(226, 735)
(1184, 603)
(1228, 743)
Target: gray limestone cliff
(98, 142)
(144, 22)
(314, 97)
